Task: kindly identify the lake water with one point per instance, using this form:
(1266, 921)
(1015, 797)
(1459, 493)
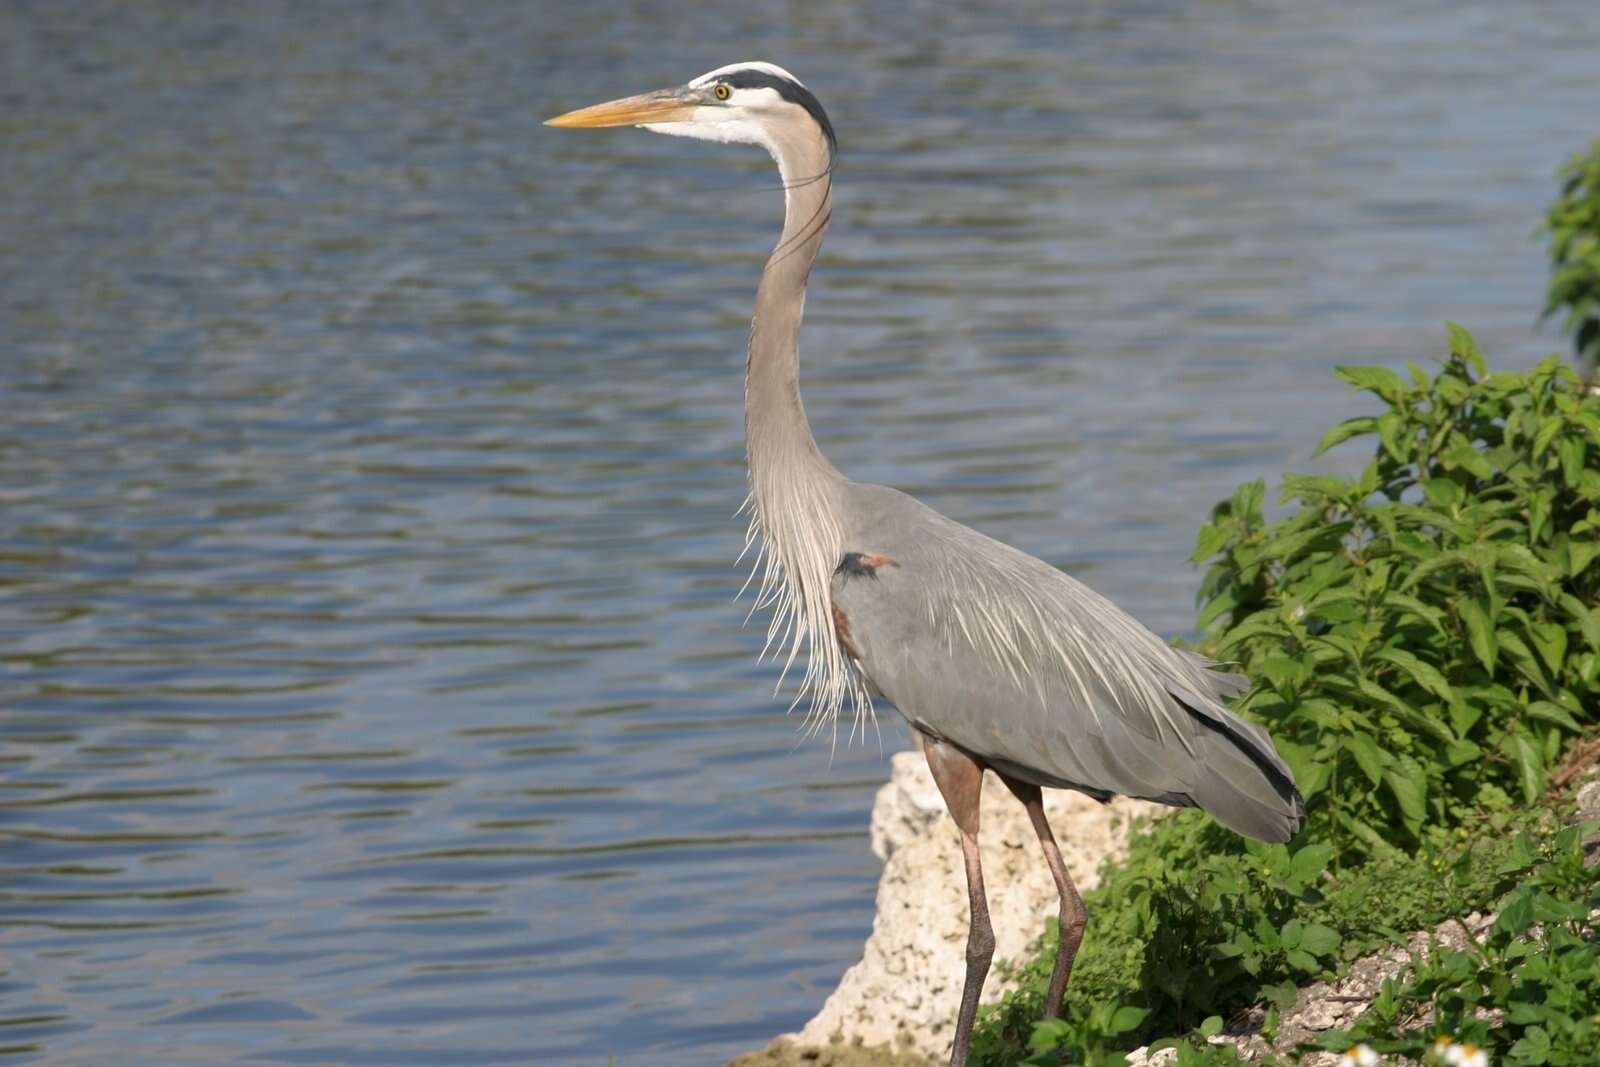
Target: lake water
(374, 687)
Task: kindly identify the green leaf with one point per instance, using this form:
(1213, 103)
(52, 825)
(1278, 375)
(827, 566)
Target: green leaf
(1464, 715)
(1285, 675)
(1530, 768)
(1420, 719)
(1571, 450)
(1532, 1047)
(1262, 623)
(1319, 940)
(1283, 994)
(1547, 431)
(1126, 1019)
(1520, 558)
(1048, 1034)
(1367, 484)
(1425, 517)
(1462, 344)
(1470, 460)
(1522, 657)
(1212, 1026)
(1480, 631)
(1344, 431)
(1301, 960)
(1547, 711)
(1309, 863)
(1517, 914)
(1539, 513)
(1423, 673)
(1391, 431)
(1288, 546)
(1224, 601)
(1206, 543)
(1443, 493)
(1385, 383)
(1452, 390)
(1368, 756)
(1404, 602)
(1311, 487)
(1410, 792)
(1247, 500)
(1580, 555)
(1310, 769)
(1550, 639)
(1522, 856)
(1587, 618)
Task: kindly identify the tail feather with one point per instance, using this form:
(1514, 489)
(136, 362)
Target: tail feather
(1244, 783)
(1222, 684)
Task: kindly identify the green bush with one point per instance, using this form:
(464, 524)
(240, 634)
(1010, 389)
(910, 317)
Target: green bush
(1573, 225)
(1197, 923)
(1425, 642)
(1424, 635)
(1527, 992)
(1425, 639)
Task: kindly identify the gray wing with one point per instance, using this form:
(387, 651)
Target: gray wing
(1041, 677)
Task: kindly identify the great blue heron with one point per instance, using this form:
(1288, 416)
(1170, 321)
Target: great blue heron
(995, 658)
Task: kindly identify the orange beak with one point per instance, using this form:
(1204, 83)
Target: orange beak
(663, 105)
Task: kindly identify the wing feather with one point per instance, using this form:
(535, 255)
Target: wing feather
(1031, 670)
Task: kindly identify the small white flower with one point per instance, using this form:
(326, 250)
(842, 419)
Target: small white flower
(1359, 1056)
(1442, 1046)
(1460, 1055)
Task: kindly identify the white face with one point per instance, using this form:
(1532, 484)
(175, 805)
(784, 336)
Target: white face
(743, 103)
(731, 114)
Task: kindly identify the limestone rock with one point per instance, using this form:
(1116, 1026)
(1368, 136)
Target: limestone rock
(907, 806)
(897, 1006)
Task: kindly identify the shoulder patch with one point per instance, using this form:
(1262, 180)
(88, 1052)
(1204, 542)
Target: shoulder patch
(862, 565)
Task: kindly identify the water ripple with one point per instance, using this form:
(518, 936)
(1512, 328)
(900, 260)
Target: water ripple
(374, 685)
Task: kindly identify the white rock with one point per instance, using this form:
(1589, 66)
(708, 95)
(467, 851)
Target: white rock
(906, 807)
(1589, 798)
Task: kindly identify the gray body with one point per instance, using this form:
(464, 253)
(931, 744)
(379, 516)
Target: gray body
(996, 659)
(1041, 677)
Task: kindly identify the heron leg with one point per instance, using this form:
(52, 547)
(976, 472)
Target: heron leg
(1074, 916)
(960, 780)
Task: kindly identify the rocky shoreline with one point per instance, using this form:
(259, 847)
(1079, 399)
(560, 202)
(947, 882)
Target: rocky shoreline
(896, 1007)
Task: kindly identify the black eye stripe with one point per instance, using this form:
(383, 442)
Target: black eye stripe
(750, 78)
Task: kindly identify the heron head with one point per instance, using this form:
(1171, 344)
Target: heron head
(742, 103)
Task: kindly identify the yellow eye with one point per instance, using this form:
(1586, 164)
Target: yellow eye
(721, 92)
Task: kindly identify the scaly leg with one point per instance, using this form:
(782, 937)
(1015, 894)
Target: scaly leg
(960, 780)
(1074, 916)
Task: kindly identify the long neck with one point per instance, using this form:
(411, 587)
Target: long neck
(778, 437)
(793, 488)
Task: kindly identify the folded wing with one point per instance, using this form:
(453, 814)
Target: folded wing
(1041, 677)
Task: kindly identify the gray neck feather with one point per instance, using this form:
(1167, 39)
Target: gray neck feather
(794, 490)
